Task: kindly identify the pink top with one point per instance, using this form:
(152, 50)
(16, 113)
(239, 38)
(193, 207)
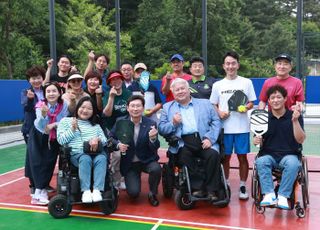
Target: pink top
(291, 84)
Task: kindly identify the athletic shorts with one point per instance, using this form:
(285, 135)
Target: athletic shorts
(239, 142)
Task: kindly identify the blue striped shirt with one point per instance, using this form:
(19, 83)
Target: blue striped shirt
(75, 139)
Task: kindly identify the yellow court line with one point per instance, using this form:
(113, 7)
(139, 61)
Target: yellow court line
(107, 218)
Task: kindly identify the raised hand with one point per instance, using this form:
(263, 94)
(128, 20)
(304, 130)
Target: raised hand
(44, 110)
(177, 119)
(153, 133)
(30, 94)
(74, 124)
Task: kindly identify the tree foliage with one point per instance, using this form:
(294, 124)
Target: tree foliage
(153, 30)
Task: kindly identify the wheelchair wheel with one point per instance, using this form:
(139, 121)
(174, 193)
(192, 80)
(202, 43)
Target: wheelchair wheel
(260, 209)
(59, 207)
(300, 212)
(110, 205)
(305, 183)
(183, 201)
(167, 181)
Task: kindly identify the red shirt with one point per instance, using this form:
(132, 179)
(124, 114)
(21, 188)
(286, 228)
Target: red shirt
(169, 96)
(291, 84)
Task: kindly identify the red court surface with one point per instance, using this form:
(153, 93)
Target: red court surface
(238, 215)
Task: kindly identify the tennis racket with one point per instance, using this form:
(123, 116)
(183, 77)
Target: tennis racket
(259, 122)
(124, 131)
(237, 99)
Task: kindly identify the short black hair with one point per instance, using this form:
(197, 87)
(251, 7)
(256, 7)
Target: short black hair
(65, 56)
(196, 59)
(233, 54)
(102, 55)
(277, 88)
(136, 97)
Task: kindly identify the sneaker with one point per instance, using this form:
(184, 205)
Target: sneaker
(243, 195)
(86, 197)
(39, 201)
(96, 195)
(44, 194)
(269, 200)
(122, 186)
(282, 202)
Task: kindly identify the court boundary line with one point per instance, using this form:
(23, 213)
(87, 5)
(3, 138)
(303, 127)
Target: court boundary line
(122, 217)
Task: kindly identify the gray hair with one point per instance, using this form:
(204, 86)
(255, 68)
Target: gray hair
(177, 81)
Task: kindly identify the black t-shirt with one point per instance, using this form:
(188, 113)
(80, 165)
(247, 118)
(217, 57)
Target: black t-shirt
(279, 140)
(61, 80)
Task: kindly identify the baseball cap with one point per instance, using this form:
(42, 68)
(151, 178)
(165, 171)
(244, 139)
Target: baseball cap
(176, 56)
(114, 75)
(283, 56)
(140, 65)
(75, 76)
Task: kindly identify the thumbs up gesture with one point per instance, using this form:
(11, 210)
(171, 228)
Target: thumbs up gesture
(153, 133)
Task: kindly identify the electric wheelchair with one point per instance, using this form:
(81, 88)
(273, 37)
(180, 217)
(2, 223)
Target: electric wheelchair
(176, 177)
(301, 181)
(69, 192)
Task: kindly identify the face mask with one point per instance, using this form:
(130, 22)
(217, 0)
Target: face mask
(144, 80)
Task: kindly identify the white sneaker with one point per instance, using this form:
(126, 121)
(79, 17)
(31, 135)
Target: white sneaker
(243, 195)
(122, 186)
(269, 200)
(44, 194)
(282, 202)
(96, 195)
(86, 197)
(39, 201)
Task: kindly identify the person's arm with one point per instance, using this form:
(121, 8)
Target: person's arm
(109, 107)
(166, 86)
(298, 132)
(222, 114)
(65, 131)
(90, 63)
(99, 94)
(48, 72)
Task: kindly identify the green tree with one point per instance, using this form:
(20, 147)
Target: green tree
(21, 24)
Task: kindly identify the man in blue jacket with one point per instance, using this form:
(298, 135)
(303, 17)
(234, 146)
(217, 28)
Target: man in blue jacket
(140, 155)
(197, 126)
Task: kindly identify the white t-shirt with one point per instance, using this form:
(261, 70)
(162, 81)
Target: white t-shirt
(221, 92)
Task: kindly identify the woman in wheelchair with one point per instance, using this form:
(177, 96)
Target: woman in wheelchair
(86, 138)
(280, 148)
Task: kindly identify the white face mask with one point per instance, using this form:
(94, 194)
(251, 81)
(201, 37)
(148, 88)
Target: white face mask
(144, 80)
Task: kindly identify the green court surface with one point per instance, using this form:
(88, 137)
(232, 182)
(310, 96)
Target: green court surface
(17, 219)
(12, 158)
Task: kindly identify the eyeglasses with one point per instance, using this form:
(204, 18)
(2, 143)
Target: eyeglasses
(75, 80)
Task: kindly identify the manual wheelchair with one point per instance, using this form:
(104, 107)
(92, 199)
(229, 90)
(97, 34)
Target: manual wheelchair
(69, 192)
(302, 180)
(176, 177)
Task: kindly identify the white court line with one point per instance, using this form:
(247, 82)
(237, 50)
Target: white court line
(184, 223)
(157, 225)
(12, 171)
(10, 182)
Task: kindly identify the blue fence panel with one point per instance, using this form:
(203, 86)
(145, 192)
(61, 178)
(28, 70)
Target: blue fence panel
(312, 89)
(11, 90)
(10, 99)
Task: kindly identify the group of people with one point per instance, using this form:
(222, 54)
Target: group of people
(68, 108)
